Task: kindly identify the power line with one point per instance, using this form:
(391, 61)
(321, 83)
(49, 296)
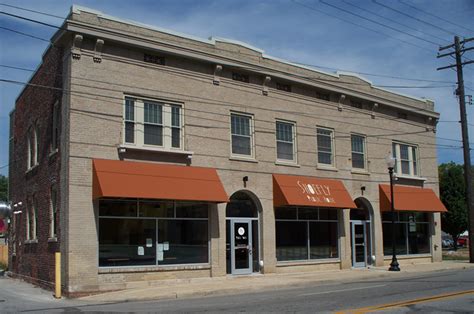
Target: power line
(433, 15)
(215, 113)
(29, 10)
(393, 21)
(322, 105)
(412, 17)
(319, 79)
(312, 65)
(378, 23)
(359, 25)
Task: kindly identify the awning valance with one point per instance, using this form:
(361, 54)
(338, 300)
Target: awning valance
(310, 191)
(127, 179)
(408, 198)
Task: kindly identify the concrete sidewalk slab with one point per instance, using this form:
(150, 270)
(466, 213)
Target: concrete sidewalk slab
(199, 287)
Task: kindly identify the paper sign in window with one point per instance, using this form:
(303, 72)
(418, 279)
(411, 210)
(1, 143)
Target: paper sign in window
(141, 250)
(149, 242)
(166, 246)
(160, 247)
(159, 255)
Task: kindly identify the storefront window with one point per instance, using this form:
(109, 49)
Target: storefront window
(306, 233)
(128, 231)
(182, 242)
(412, 233)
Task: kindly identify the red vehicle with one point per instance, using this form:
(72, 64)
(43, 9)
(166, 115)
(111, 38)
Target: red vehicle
(462, 241)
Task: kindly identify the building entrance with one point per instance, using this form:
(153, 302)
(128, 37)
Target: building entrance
(242, 234)
(361, 233)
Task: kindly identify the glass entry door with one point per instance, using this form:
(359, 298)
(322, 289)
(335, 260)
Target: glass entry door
(359, 243)
(241, 246)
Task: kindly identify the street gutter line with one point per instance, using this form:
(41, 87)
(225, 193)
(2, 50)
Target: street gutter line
(387, 306)
(341, 290)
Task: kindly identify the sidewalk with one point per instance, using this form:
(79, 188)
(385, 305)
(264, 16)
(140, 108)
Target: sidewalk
(198, 287)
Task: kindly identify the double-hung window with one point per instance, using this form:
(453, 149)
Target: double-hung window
(242, 135)
(149, 123)
(325, 144)
(358, 151)
(406, 157)
(285, 140)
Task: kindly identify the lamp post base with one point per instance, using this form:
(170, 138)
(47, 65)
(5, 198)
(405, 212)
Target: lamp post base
(394, 266)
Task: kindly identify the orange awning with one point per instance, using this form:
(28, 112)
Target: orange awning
(408, 198)
(310, 191)
(114, 178)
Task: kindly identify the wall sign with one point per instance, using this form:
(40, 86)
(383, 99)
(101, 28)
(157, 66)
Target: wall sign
(316, 193)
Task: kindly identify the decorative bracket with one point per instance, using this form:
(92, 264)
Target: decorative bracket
(429, 120)
(217, 73)
(341, 101)
(99, 44)
(266, 81)
(76, 47)
(374, 106)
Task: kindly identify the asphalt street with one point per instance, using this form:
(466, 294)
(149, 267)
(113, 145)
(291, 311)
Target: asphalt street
(442, 291)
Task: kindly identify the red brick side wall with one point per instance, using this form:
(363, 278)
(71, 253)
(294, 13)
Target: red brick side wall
(34, 107)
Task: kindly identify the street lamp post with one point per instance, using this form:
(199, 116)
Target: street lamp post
(394, 266)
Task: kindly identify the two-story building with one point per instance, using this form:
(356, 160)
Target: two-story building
(143, 154)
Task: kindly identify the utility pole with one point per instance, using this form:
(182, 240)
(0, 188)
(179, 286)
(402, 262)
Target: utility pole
(458, 51)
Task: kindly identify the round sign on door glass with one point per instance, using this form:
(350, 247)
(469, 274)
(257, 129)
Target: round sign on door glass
(241, 231)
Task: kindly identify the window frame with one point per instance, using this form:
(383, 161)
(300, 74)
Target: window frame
(55, 127)
(413, 163)
(251, 136)
(364, 153)
(53, 211)
(294, 160)
(166, 123)
(308, 221)
(333, 147)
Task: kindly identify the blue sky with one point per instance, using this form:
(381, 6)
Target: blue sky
(288, 30)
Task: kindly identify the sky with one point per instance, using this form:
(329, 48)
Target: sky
(396, 38)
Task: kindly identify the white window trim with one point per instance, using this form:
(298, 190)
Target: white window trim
(410, 160)
(364, 137)
(28, 152)
(293, 161)
(28, 231)
(52, 200)
(332, 165)
(36, 146)
(252, 137)
(139, 125)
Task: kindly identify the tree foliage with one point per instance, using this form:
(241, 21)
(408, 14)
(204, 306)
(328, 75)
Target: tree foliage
(3, 188)
(453, 195)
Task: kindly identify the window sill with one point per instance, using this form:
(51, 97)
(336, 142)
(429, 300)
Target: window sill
(362, 172)
(151, 268)
(53, 152)
(403, 176)
(123, 148)
(328, 168)
(32, 168)
(308, 262)
(52, 240)
(424, 255)
(287, 163)
(33, 241)
(246, 159)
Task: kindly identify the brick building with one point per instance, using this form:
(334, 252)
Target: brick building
(144, 154)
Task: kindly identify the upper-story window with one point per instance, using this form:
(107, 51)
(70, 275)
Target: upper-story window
(53, 213)
(240, 77)
(358, 151)
(55, 127)
(32, 147)
(242, 135)
(149, 123)
(325, 142)
(285, 140)
(323, 96)
(406, 157)
(283, 87)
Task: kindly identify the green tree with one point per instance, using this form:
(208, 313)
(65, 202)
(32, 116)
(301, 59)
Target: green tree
(3, 188)
(453, 195)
